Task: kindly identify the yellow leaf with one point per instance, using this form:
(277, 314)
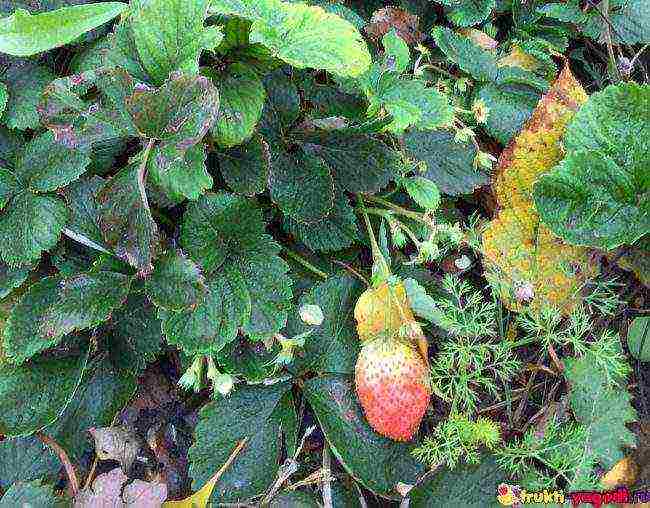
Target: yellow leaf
(623, 473)
(200, 499)
(479, 38)
(533, 266)
(519, 58)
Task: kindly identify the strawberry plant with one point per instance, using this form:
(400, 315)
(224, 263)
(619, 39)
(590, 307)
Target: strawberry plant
(322, 252)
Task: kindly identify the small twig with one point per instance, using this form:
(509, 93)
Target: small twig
(353, 271)
(327, 482)
(65, 460)
(604, 11)
(556, 360)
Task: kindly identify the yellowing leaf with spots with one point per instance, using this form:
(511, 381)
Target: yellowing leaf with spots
(532, 265)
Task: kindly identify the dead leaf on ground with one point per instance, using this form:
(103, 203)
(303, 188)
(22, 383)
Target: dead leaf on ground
(405, 23)
(116, 443)
(111, 490)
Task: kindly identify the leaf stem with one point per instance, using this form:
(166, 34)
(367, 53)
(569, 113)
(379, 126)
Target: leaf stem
(65, 460)
(306, 264)
(377, 256)
(142, 173)
(398, 209)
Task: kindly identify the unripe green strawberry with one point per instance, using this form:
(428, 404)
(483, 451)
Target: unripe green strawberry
(393, 387)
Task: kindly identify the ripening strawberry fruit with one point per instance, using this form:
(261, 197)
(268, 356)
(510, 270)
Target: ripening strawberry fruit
(392, 384)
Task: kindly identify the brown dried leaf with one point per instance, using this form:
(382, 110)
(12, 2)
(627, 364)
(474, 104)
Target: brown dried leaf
(405, 23)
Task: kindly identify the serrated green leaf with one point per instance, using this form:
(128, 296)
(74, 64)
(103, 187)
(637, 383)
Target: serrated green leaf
(185, 178)
(123, 53)
(29, 494)
(449, 164)
(249, 288)
(510, 106)
(9, 186)
(126, 222)
(376, 462)
(471, 58)
(470, 486)
(104, 390)
(599, 195)
(468, 12)
(242, 100)
(638, 338)
(214, 322)
(81, 199)
(77, 122)
(335, 232)
(627, 20)
(411, 103)
(46, 387)
(11, 278)
(423, 191)
(248, 360)
(282, 106)
(169, 35)
(23, 34)
(269, 288)
(359, 162)
(176, 282)
(47, 166)
(29, 225)
(250, 412)
(57, 306)
(26, 82)
(397, 55)
(246, 168)
(135, 334)
(222, 226)
(603, 408)
(302, 35)
(333, 346)
(302, 186)
(25, 459)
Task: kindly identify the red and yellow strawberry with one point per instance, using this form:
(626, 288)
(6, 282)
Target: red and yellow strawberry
(391, 374)
(392, 384)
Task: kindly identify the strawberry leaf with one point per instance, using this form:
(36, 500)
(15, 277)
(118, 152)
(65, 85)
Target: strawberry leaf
(242, 100)
(23, 34)
(352, 441)
(26, 83)
(169, 35)
(302, 35)
(135, 334)
(57, 306)
(29, 225)
(333, 346)
(176, 283)
(603, 408)
(126, 222)
(184, 178)
(25, 386)
(26, 459)
(28, 494)
(253, 412)
(335, 232)
(302, 186)
(448, 163)
(246, 168)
